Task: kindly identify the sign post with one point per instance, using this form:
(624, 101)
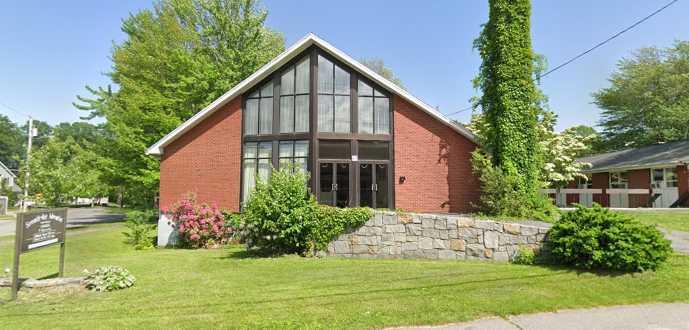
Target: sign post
(35, 230)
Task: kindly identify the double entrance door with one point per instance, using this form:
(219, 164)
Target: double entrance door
(344, 184)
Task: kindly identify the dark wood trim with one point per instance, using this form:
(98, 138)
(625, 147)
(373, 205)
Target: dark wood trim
(313, 114)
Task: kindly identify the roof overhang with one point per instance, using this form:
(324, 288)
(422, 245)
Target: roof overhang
(633, 167)
(278, 62)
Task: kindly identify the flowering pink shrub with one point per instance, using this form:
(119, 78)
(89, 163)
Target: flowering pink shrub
(199, 225)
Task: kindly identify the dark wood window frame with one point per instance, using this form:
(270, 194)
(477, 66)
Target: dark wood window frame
(313, 135)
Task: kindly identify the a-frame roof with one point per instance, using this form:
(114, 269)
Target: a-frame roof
(6, 169)
(277, 63)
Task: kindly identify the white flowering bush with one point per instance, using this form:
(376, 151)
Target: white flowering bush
(561, 151)
(108, 278)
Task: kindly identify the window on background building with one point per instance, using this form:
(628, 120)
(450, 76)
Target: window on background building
(333, 98)
(585, 183)
(374, 110)
(258, 112)
(294, 98)
(294, 152)
(618, 180)
(671, 177)
(374, 150)
(256, 164)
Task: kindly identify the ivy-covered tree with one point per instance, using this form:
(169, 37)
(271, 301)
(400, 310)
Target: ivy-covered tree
(176, 59)
(509, 96)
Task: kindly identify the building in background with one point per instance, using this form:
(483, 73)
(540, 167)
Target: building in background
(652, 176)
(9, 178)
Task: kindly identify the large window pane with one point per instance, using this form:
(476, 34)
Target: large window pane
(250, 150)
(301, 113)
(382, 186)
(364, 89)
(267, 89)
(301, 149)
(366, 115)
(382, 119)
(334, 149)
(325, 113)
(249, 179)
(374, 150)
(341, 81)
(325, 75)
(266, 116)
(265, 150)
(286, 149)
(342, 114)
(264, 169)
(302, 80)
(251, 117)
(287, 82)
(286, 114)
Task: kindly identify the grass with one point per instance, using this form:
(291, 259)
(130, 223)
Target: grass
(6, 217)
(229, 288)
(677, 220)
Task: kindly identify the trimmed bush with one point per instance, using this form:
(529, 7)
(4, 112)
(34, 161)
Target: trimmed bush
(281, 215)
(199, 225)
(141, 229)
(108, 278)
(597, 238)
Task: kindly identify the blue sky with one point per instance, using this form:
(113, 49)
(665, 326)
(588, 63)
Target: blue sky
(51, 49)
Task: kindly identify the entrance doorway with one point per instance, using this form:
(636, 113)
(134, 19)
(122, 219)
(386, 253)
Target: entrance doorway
(373, 185)
(664, 182)
(335, 184)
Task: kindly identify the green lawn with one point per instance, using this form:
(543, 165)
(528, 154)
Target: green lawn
(677, 220)
(229, 289)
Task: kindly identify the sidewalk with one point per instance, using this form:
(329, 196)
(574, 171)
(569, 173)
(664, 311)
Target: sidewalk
(654, 316)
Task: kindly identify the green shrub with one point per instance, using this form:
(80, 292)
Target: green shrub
(502, 197)
(597, 238)
(282, 216)
(108, 278)
(279, 213)
(525, 256)
(141, 229)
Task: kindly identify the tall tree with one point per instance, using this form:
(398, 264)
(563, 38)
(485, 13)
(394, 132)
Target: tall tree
(176, 59)
(11, 143)
(510, 99)
(378, 66)
(648, 98)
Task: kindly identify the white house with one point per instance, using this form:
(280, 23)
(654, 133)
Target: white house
(6, 176)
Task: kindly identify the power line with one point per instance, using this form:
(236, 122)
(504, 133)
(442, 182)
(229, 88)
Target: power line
(13, 110)
(598, 45)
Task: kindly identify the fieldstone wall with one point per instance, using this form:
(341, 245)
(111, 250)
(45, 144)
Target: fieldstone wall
(392, 235)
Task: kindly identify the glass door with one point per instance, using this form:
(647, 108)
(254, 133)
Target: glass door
(334, 187)
(373, 185)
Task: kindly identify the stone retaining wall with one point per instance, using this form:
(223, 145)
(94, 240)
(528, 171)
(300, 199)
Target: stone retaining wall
(391, 235)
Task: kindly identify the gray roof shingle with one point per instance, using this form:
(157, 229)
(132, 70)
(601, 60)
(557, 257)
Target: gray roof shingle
(671, 153)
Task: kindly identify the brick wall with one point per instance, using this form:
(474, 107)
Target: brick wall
(639, 179)
(206, 160)
(436, 162)
(600, 181)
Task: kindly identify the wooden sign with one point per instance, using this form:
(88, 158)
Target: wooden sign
(37, 229)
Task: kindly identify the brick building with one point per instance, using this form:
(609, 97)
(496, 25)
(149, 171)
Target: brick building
(364, 140)
(652, 176)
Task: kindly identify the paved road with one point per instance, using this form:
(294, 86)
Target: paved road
(655, 316)
(76, 217)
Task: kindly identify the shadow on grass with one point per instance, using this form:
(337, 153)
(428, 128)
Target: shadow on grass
(252, 253)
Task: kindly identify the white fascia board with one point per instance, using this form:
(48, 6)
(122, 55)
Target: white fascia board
(286, 56)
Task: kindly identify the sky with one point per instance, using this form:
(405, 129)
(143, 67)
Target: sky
(52, 49)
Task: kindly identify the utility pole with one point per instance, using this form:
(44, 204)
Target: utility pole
(30, 134)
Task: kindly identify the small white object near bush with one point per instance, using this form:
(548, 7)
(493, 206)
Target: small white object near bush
(108, 278)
